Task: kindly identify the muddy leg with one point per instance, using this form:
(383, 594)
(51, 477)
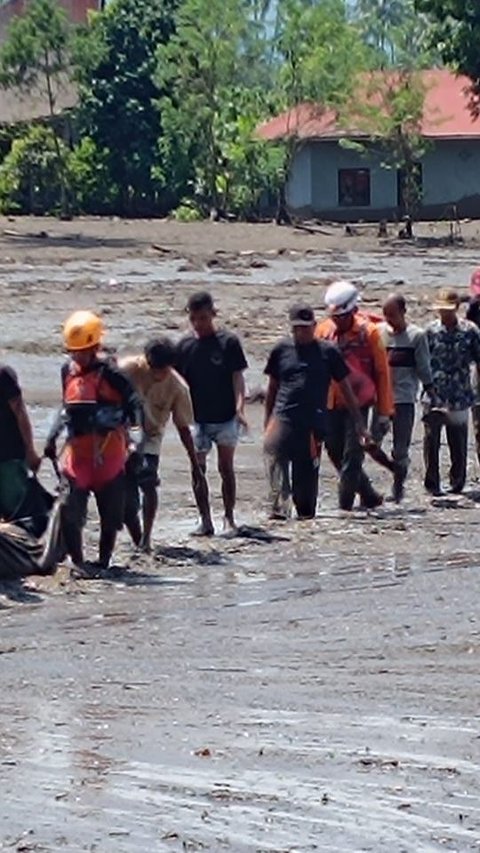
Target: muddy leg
(73, 518)
(229, 486)
(149, 511)
(304, 478)
(431, 456)
(457, 438)
(202, 499)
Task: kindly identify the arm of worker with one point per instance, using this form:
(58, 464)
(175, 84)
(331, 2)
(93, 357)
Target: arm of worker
(422, 362)
(237, 363)
(385, 403)
(11, 395)
(354, 409)
(270, 398)
(239, 392)
(19, 409)
(182, 414)
(131, 402)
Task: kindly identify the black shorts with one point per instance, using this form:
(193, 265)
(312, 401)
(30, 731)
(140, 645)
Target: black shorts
(110, 503)
(139, 480)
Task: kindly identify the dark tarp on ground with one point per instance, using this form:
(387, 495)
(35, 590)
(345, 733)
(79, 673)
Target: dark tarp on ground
(22, 551)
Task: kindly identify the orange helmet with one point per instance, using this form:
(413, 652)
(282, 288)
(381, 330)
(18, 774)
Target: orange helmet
(83, 330)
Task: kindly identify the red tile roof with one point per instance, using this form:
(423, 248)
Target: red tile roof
(446, 114)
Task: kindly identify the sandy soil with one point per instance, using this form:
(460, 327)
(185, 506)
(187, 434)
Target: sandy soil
(300, 687)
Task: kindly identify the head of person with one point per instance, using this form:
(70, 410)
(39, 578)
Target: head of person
(475, 283)
(447, 305)
(341, 302)
(82, 335)
(202, 313)
(160, 356)
(302, 322)
(394, 311)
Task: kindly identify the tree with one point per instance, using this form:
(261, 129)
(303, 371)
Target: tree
(396, 32)
(36, 57)
(320, 52)
(200, 66)
(115, 61)
(321, 56)
(456, 32)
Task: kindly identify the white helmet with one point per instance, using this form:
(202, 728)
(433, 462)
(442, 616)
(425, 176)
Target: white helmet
(341, 298)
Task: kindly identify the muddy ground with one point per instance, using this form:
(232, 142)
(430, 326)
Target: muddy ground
(301, 687)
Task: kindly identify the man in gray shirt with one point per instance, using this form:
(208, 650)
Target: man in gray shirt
(409, 360)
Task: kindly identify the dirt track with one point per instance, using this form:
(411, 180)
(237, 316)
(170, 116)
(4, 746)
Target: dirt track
(301, 687)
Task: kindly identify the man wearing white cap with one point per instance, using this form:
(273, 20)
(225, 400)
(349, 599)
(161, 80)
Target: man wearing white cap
(360, 343)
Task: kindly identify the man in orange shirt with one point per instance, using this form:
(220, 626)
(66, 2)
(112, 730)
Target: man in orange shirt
(361, 345)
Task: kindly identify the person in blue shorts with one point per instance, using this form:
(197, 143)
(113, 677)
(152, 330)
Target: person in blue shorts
(212, 362)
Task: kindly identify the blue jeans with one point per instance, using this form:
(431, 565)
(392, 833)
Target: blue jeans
(223, 435)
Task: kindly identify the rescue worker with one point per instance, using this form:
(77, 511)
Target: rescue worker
(300, 370)
(99, 404)
(361, 345)
(164, 394)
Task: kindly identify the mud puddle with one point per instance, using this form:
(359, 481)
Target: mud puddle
(210, 713)
(300, 687)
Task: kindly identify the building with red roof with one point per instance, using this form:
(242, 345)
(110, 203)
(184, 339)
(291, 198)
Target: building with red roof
(331, 180)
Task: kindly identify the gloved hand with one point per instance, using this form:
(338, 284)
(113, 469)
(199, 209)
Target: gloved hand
(50, 450)
(380, 428)
(135, 463)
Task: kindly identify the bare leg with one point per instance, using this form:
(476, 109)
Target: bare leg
(149, 509)
(229, 486)
(203, 500)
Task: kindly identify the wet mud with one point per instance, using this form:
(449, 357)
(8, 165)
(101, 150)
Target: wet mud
(301, 686)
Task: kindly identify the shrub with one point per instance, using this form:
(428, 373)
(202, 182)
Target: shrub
(89, 178)
(30, 174)
(187, 211)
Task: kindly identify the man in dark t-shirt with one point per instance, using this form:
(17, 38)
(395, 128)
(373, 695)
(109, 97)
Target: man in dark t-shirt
(300, 370)
(17, 452)
(212, 362)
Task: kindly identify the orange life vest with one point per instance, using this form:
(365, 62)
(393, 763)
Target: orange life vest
(95, 453)
(358, 355)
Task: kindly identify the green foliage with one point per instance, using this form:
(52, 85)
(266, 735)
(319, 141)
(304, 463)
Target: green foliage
(320, 51)
(198, 67)
(29, 176)
(89, 178)
(36, 51)
(115, 60)
(456, 34)
(36, 56)
(396, 33)
(250, 169)
(187, 211)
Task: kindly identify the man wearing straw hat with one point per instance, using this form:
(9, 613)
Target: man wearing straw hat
(454, 346)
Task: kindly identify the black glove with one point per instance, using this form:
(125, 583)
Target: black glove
(50, 450)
